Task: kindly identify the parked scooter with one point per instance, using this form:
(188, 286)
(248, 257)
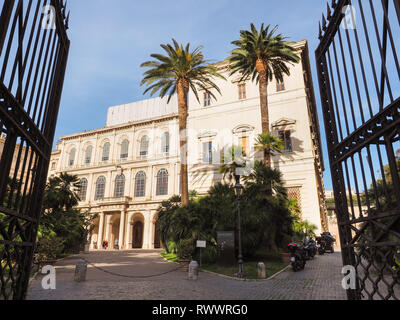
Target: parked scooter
(297, 256)
(325, 243)
(310, 248)
(320, 246)
(329, 241)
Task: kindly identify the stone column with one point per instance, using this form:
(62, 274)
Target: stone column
(146, 230)
(152, 228)
(130, 231)
(108, 227)
(128, 237)
(101, 229)
(121, 230)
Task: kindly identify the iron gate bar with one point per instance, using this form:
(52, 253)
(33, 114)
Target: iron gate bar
(388, 30)
(397, 6)
(36, 70)
(369, 133)
(17, 117)
(383, 55)
(378, 90)
(4, 21)
(367, 238)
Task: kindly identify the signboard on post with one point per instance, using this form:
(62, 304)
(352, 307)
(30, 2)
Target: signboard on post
(201, 244)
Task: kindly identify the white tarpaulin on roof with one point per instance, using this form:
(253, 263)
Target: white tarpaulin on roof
(141, 110)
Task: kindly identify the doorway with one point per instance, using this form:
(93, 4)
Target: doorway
(137, 236)
(157, 241)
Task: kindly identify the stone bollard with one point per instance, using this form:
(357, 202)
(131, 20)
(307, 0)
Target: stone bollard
(80, 271)
(193, 270)
(261, 270)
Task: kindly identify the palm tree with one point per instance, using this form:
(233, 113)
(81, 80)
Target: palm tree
(269, 144)
(177, 72)
(266, 180)
(265, 192)
(232, 160)
(263, 56)
(61, 192)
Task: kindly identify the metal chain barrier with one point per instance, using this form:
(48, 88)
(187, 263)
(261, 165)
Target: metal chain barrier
(127, 276)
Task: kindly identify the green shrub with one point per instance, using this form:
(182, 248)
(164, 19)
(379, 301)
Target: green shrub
(171, 247)
(185, 249)
(50, 248)
(208, 255)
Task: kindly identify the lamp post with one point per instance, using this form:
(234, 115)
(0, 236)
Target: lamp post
(239, 190)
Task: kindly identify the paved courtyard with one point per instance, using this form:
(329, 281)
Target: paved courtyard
(321, 280)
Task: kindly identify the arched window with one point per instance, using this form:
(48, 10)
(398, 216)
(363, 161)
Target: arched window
(83, 184)
(72, 155)
(88, 155)
(140, 184)
(106, 152)
(124, 149)
(119, 186)
(165, 143)
(144, 146)
(162, 183)
(100, 188)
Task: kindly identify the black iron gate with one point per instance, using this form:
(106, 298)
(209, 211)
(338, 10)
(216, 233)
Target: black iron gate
(358, 63)
(33, 55)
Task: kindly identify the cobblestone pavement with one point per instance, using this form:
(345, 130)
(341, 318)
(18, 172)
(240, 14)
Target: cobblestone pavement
(321, 280)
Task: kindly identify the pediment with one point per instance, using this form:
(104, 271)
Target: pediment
(207, 134)
(238, 79)
(283, 122)
(243, 128)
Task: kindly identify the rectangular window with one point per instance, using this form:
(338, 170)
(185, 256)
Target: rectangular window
(244, 144)
(242, 91)
(207, 152)
(280, 86)
(165, 143)
(207, 99)
(285, 136)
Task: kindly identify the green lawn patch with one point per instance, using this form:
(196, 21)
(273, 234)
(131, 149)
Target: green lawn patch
(272, 261)
(170, 257)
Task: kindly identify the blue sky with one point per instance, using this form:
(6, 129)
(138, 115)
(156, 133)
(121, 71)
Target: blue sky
(110, 39)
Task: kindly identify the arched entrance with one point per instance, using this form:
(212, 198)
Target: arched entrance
(137, 235)
(157, 239)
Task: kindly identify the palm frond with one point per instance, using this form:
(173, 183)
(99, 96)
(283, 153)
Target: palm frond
(262, 44)
(179, 63)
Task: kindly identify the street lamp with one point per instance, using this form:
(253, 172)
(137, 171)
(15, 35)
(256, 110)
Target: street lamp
(239, 191)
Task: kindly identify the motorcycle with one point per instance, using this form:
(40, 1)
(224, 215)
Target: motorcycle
(321, 246)
(329, 241)
(310, 248)
(297, 256)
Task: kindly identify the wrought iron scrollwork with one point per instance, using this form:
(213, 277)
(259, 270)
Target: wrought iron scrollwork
(359, 78)
(33, 59)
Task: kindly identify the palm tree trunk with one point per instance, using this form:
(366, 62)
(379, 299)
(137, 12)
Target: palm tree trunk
(263, 86)
(182, 90)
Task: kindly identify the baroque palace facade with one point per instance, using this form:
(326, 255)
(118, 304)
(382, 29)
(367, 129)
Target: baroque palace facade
(132, 164)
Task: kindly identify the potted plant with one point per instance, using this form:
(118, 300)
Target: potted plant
(285, 256)
(185, 251)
